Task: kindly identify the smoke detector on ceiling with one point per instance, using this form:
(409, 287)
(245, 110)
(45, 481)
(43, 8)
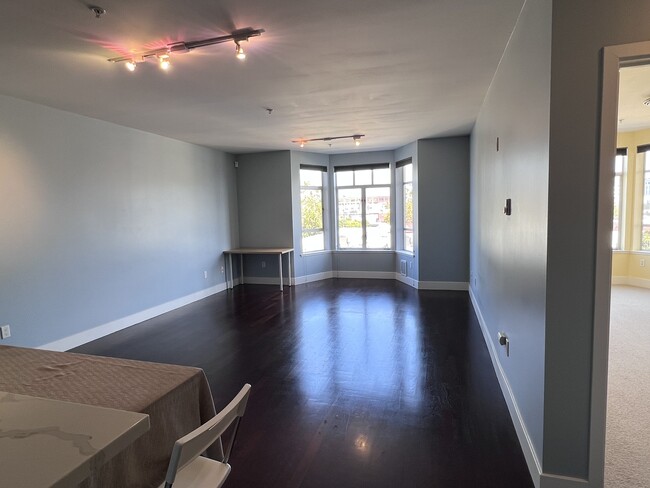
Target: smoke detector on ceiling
(98, 11)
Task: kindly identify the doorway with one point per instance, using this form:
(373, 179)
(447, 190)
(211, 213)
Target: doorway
(621, 382)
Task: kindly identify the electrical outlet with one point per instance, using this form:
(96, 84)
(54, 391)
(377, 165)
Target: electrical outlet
(263, 264)
(5, 332)
(642, 263)
(205, 275)
(222, 270)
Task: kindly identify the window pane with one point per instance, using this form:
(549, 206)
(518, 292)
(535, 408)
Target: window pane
(378, 218)
(408, 206)
(408, 240)
(311, 213)
(381, 176)
(311, 208)
(313, 241)
(311, 177)
(344, 178)
(617, 213)
(363, 177)
(407, 173)
(349, 211)
(618, 164)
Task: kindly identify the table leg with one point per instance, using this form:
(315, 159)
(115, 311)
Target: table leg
(241, 269)
(280, 264)
(289, 264)
(231, 283)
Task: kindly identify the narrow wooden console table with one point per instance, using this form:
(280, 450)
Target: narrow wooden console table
(277, 251)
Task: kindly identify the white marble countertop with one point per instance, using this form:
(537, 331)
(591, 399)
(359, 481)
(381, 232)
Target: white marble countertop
(49, 443)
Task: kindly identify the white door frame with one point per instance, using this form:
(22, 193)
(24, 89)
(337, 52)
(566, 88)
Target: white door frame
(613, 58)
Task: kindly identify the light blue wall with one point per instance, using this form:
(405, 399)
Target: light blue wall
(98, 221)
(576, 84)
(368, 157)
(508, 253)
(443, 201)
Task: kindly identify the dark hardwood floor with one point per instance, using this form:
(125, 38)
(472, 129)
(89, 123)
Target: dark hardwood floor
(356, 383)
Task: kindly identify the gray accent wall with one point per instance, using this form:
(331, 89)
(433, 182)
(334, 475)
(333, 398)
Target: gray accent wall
(99, 221)
(443, 203)
(264, 195)
(508, 253)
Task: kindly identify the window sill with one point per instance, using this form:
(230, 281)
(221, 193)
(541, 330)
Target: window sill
(405, 253)
(371, 251)
(315, 253)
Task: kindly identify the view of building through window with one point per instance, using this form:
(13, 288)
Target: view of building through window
(311, 210)
(621, 159)
(363, 204)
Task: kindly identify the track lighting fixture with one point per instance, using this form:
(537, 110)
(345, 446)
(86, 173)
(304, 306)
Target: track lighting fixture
(164, 61)
(163, 54)
(355, 137)
(239, 51)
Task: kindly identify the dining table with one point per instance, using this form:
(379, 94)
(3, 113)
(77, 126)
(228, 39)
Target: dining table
(177, 399)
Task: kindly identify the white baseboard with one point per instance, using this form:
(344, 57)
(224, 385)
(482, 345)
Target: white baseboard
(406, 280)
(630, 281)
(263, 280)
(556, 481)
(532, 459)
(85, 336)
(443, 285)
(373, 275)
(301, 280)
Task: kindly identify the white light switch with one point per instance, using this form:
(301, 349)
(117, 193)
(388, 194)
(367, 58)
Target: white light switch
(5, 332)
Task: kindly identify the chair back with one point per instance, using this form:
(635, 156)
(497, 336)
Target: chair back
(189, 447)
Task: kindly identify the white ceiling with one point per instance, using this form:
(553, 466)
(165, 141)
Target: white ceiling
(395, 71)
(634, 88)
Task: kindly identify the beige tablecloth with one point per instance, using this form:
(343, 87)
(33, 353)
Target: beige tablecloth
(176, 398)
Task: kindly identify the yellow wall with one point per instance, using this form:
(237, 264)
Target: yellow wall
(627, 262)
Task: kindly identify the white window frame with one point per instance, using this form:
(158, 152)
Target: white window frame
(620, 243)
(363, 188)
(323, 190)
(400, 185)
(645, 193)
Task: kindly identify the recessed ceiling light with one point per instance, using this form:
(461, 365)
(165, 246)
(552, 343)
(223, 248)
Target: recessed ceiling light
(646, 102)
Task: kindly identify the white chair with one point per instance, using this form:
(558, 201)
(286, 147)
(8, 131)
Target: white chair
(187, 468)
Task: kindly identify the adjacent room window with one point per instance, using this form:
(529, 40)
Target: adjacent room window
(363, 206)
(645, 216)
(312, 207)
(405, 182)
(619, 171)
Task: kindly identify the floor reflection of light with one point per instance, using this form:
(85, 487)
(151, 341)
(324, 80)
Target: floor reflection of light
(363, 346)
(361, 443)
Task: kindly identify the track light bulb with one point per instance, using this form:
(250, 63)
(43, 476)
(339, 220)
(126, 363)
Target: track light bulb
(165, 63)
(131, 65)
(240, 52)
